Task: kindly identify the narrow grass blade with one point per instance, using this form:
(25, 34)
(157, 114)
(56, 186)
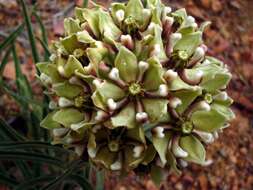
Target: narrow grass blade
(4, 61)
(10, 132)
(9, 40)
(29, 31)
(44, 41)
(46, 49)
(34, 157)
(85, 3)
(29, 184)
(100, 180)
(32, 145)
(7, 180)
(73, 166)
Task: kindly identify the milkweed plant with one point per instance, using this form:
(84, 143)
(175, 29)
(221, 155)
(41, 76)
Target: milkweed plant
(132, 90)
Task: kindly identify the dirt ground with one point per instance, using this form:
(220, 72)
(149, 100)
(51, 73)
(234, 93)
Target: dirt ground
(230, 38)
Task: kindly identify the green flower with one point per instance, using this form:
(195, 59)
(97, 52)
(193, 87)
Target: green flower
(132, 88)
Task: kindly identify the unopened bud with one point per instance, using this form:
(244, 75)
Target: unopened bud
(141, 117)
(137, 151)
(120, 15)
(177, 150)
(64, 102)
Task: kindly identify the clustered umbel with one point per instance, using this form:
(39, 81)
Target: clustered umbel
(132, 89)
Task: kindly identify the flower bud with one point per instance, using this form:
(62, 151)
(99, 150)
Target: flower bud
(64, 102)
(137, 151)
(158, 132)
(175, 102)
(116, 165)
(120, 15)
(58, 132)
(170, 75)
(127, 41)
(206, 137)
(177, 150)
(141, 117)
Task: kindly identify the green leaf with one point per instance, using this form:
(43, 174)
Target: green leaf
(194, 148)
(125, 118)
(189, 42)
(30, 32)
(68, 116)
(35, 157)
(126, 63)
(11, 38)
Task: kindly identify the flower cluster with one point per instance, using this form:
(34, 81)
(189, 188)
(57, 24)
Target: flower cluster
(132, 89)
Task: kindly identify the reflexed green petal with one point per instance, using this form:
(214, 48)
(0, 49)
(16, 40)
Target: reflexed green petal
(219, 114)
(71, 66)
(49, 123)
(153, 76)
(157, 40)
(67, 90)
(92, 17)
(114, 8)
(179, 84)
(136, 134)
(186, 97)
(70, 43)
(97, 100)
(157, 174)
(172, 162)
(71, 26)
(96, 54)
(220, 81)
(126, 63)
(189, 43)
(149, 155)
(50, 70)
(134, 9)
(179, 15)
(109, 90)
(105, 157)
(161, 146)
(84, 37)
(125, 118)
(194, 148)
(130, 161)
(155, 108)
(107, 27)
(68, 116)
